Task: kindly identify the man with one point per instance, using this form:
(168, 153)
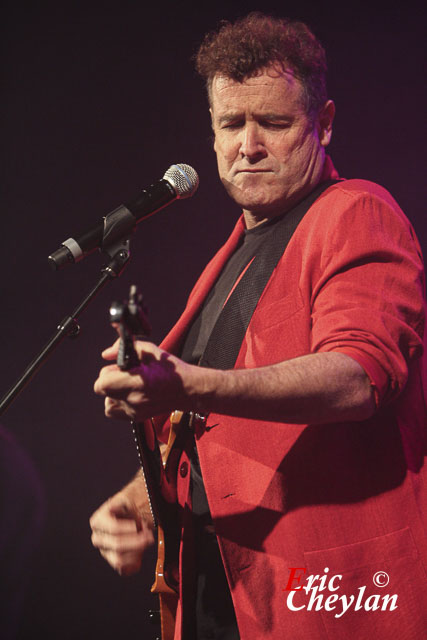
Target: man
(307, 471)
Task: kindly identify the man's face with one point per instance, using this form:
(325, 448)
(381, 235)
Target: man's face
(270, 153)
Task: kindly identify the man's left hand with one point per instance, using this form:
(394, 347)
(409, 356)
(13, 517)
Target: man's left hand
(158, 385)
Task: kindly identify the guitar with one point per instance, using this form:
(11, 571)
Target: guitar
(159, 469)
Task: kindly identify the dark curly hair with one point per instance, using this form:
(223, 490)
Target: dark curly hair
(241, 49)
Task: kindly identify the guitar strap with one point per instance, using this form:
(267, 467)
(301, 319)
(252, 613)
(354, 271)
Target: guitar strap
(226, 338)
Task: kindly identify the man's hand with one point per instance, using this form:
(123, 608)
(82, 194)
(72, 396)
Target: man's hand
(122, 533)
(160, 384)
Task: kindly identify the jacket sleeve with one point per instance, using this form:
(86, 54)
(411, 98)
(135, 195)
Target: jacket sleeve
(368, 299)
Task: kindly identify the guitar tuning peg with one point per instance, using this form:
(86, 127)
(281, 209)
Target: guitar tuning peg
(133, 293)
(138, 311)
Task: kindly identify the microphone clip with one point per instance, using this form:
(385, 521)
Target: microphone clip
(118, 227)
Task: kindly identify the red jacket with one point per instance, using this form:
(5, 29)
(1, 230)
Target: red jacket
(347, 499)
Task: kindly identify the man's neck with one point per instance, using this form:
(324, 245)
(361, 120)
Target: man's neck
(255, 218)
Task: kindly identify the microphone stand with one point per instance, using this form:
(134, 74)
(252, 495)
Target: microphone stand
(120, 255)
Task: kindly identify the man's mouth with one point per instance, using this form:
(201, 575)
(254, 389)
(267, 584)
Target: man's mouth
(253, 171)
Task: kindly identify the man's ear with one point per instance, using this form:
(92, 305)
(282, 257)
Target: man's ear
(324, 123)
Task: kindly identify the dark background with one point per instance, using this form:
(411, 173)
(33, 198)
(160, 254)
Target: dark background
(97, 102)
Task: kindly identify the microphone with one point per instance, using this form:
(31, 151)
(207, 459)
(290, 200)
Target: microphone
(180, 181)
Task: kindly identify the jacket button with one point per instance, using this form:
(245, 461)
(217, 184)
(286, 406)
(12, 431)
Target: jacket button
(183, 470)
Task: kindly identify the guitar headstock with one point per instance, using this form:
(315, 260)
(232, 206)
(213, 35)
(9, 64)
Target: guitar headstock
(130, 319)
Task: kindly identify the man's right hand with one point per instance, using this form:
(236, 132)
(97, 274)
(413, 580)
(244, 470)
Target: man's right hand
(122, 533)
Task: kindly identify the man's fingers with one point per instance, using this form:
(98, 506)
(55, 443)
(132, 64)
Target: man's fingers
(115, 383)
(141, 347)
(110, 353)
(124, 512)
(134, 542)
(116, 409)
(123, 552)
(125, 565)
(114, 525)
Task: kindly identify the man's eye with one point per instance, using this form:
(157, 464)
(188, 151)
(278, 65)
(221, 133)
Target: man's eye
(275, 125)
(232, 125)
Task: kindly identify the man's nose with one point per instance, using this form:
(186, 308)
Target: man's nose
(252, 146)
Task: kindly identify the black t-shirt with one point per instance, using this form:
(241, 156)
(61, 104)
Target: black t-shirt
(214, 613)
(198, 335)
